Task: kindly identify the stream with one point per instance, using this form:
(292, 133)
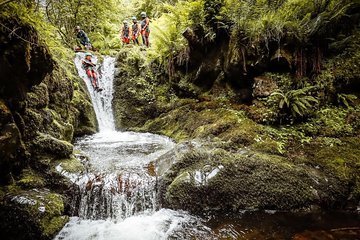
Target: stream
(117, 193)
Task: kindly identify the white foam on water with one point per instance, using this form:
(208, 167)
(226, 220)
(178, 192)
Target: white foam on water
(155, 226)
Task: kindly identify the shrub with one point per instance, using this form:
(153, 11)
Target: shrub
(294, 103)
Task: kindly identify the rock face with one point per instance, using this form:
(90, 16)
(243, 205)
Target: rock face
(41, 110)
(138, 92)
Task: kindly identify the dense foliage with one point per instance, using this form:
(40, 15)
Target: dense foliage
(318, 40)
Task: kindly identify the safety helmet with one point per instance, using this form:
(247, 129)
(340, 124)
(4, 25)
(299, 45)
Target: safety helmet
(125, 22)
(77, 28)
(88, 54)
(143, 14)
(134, 18)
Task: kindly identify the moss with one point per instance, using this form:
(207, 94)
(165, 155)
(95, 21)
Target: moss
(50, 145)
(268, 146)
(54, 225)
(38, 97)
(30, 179)
(35, 213)
(205, 120)
(53, 222)
(71, 165)
(338, 159)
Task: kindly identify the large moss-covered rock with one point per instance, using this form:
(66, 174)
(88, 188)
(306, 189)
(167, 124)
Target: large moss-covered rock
(85, 122)
(205, 120)
(241, 164)
(31, 214)
(215, 180)
(47, 144)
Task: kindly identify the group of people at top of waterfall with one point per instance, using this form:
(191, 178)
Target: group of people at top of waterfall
(128, 33)
(132, 33)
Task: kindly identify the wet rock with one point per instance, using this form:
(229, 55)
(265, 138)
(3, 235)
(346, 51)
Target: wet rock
(38, 97)
(12, 148)
(32, 214)
(50, 145)
(263, 87)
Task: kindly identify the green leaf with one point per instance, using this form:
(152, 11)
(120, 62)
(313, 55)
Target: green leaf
(296, 110)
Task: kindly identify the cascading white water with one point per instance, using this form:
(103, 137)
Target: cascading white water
(118, 191)
(101, 101)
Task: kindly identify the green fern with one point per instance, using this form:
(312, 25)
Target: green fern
(297, 102)
(346, 99)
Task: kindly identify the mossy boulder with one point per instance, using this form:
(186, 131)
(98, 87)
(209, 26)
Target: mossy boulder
(46, 144)
(71, 165)
(31, 214)
(85, 122)
(217, 181)
(337, 157)
(38, 97)
(30, 179)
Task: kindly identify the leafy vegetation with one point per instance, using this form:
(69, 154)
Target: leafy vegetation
(296, 103)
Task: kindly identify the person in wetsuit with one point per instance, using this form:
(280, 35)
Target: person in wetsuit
(126, 33)
(136, 30)
(145, 29)
(82, 38)
(89, 68)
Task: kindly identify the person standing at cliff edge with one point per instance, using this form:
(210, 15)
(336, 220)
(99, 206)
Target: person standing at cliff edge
(126, 33)
(136, 29)
(145, 29)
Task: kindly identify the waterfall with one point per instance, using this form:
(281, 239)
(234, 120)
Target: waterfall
(117, 191)
(117, 186)
(101, 100)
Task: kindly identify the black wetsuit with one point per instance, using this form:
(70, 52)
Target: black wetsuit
(83, 38)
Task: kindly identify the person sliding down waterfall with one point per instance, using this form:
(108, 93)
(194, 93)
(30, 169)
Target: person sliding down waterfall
(89, 67)
(145, 29)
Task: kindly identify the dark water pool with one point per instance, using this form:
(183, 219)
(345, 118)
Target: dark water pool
(282, 225)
